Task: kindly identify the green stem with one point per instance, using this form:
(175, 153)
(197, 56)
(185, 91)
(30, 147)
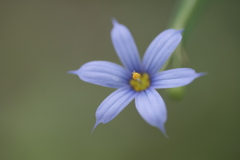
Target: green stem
(184, 16)
(184, 11)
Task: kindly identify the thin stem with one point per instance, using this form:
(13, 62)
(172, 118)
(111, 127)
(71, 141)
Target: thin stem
(184, 16)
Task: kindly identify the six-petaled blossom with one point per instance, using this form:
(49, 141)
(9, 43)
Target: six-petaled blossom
(137, 79)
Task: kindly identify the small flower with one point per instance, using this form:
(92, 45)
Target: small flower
(137, 79)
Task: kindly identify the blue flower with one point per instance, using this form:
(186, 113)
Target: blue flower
(137, 79)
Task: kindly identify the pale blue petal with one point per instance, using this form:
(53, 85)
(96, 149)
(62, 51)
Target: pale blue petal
(114, 104)
(160, 50)
(125, 47)
(151, 107)
(174, 78)
(103, 73)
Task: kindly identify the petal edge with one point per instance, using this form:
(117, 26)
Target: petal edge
(160, 50)
(152, 108)
(103, 73)
(125, 46)
(113, 105)
(174, 78)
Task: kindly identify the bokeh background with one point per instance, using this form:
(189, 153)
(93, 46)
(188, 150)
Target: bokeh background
(47, 114)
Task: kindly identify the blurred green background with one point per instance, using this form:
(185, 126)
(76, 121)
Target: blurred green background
(47, 114)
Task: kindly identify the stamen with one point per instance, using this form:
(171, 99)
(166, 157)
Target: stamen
(139, 82)
(135, 75)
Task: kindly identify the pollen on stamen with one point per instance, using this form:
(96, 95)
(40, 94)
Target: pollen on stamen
(135, 75)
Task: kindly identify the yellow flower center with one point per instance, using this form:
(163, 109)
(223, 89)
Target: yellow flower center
(139, 82)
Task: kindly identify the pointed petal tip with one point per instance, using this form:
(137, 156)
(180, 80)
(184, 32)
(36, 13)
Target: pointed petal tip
(114, 21)
(165, 133)
(176, 30)
(202, 74)
(180, 30)
(72, 72)
(162, 129)
(166, 136)
(96, 124)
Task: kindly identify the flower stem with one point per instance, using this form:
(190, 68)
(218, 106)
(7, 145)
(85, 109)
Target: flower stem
(184, 17)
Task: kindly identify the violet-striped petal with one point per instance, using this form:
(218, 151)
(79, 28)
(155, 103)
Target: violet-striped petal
(125, 47)
(151, 107)
(160, 50)
(103, 73)
(174, 78)
(114, 104)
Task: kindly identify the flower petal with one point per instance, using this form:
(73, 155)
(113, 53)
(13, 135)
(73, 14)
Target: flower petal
(151, 107)
(103, 73)
(114, 104)
(174, 78)
(160, 50)
(125, 47)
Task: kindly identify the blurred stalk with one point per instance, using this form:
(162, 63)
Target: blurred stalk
(185, 15)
